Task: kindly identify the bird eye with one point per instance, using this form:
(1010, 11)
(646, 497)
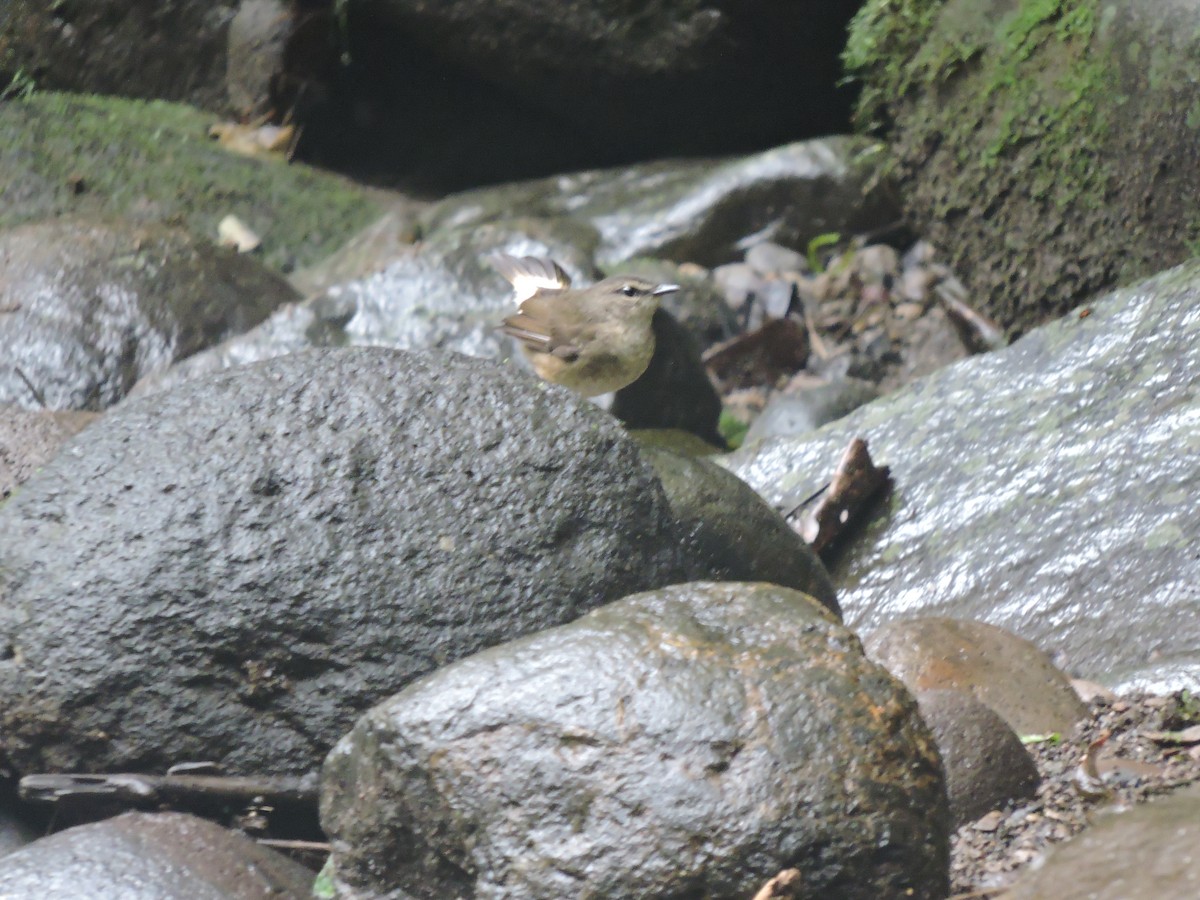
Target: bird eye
(629, 290)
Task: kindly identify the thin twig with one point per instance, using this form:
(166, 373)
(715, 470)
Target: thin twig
(314, 846)
(37, 395)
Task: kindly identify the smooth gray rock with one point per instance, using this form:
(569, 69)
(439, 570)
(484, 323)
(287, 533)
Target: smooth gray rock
(255, 52)
(1006, 672)
(687, 742)
(727, 529)
(795, 414)
(986, 764)
(1043, 488)
(151, 856)
(88, 308)
(699, 211)
(1147, 852)
(234, 569)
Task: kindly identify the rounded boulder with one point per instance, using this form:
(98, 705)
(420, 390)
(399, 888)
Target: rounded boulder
(686, 742)
(233, 570)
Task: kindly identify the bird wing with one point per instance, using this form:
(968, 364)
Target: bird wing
(530, 274)
(531, 325)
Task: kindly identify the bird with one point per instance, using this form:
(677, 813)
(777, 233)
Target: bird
(592, 340)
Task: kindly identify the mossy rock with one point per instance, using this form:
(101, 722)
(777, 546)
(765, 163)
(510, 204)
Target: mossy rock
(1047, 146)
(81, 154)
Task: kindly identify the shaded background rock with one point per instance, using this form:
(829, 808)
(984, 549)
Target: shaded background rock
(467, 93)
(137, 48)
(985, 762)
(104, 157)
(462, 93)
(1005, 672)
(675, 390)
(1037, 488)
(691, 741)
(1047, 148)
(150, 856)
(91, 307)
(234, 569)
(729, 533)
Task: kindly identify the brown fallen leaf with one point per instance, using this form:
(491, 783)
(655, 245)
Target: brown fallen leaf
(854, 483)
(1086, 776)
(269, 141)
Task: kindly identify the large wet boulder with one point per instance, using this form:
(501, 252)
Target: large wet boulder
(88, 308)
(1047, 148)
(700, 211)
(235, 569)
(29, 438)
(691, 741)
(104, 157)
(1043, 488)
(148, 856)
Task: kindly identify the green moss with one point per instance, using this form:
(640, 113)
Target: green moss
(155, 160)
(1034, 82)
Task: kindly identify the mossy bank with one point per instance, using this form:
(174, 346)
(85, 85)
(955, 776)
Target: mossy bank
(67, 154)
(1048, 145)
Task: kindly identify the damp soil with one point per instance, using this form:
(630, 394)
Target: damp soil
(1136, 761)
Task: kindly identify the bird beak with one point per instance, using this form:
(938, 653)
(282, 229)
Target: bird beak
(665, 289)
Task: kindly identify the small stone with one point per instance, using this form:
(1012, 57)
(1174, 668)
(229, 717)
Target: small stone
(989, 822)
(768, 259)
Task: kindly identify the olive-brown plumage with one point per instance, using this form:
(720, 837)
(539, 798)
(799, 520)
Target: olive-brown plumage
(592, 340)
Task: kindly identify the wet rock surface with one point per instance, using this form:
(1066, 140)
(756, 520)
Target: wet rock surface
(699, 211)
(234, 569)
(30, 438)
(1007, 673)
(985, 762)
(144, 856)
(1037, 488)
(91, 307)
(692, 740)
(1144, 853)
